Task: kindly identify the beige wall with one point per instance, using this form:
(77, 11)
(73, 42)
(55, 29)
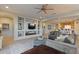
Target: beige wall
(47, 31)
(77, 31)
(7, 34)
(76, 27)
(10, 22)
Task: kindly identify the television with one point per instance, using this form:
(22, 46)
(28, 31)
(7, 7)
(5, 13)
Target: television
(31, 26)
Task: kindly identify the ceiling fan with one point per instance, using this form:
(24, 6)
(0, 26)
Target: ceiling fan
(44, 9)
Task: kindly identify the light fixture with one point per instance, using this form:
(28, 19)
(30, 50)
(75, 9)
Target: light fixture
(43, 24)
(0, 26)
(0, 29)
(6, 7)
(67, 27)
(33, 24)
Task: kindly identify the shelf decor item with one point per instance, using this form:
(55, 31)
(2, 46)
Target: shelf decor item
(20, 26)
(20, 23)
(20, 33)
(38, 27)
(49, 27)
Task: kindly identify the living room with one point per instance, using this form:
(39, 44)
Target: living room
(27, 26)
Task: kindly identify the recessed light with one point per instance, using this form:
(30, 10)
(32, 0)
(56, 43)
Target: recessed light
(6, 7)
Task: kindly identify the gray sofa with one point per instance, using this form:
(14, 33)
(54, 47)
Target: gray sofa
(53, 35)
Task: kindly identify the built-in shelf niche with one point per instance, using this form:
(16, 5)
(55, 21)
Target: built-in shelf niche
(20, 26)
(23, 30)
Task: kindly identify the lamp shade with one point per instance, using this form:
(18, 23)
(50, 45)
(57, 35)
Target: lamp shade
(67, 27)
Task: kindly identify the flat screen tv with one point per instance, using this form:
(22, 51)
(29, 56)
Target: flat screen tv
(31, 26)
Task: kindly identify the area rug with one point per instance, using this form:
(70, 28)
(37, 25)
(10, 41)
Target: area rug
(43, 49)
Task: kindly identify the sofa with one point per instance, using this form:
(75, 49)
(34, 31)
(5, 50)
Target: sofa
(53, 35)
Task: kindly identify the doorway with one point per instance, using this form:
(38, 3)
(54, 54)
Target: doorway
(7, 31)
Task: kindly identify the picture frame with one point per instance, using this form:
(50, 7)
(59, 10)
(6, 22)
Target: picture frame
(5, 26)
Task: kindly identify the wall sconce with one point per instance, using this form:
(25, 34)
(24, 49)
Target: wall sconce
(0, 26)
(67, 27)
(43, 24)
(0, 29)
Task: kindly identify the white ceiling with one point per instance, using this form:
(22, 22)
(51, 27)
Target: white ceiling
(28, 10)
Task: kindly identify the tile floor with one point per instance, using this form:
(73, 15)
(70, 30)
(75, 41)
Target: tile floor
(18, 47)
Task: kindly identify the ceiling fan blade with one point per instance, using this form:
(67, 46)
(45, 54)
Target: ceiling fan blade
(45, 6)
(49, 9)
(45, 11)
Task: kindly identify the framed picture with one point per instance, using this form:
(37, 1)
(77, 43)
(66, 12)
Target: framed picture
(5, 26)
(20, 33)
